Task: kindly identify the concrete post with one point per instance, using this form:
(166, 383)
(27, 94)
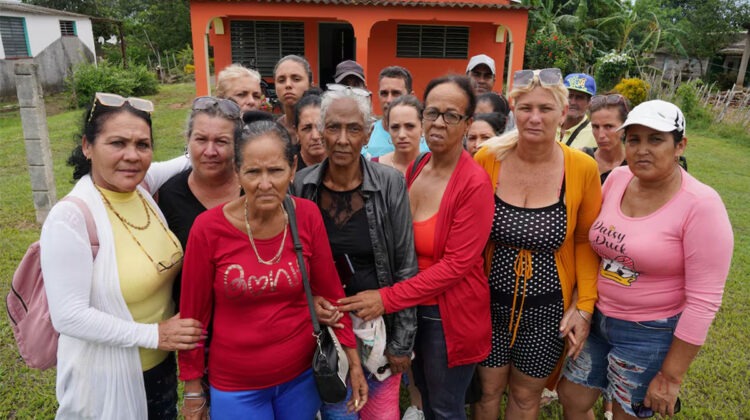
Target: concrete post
(744, 60)
(36, 138)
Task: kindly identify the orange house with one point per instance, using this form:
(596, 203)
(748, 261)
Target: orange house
(428, 37)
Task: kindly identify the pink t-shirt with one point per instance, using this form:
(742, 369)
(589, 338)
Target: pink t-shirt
(675, 260)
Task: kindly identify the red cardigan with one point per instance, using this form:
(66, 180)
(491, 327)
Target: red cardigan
(456, 277)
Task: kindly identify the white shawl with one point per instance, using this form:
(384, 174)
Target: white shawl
(99, 374)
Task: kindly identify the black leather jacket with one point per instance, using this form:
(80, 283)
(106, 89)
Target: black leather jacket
(391, 233)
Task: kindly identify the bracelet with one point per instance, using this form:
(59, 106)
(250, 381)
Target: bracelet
(194, 395)
(581, 313)
(194, 410)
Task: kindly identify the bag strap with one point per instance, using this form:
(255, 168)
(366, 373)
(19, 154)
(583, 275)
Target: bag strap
(575, 133)
(90, 224)
(289, 207)
(415, 165)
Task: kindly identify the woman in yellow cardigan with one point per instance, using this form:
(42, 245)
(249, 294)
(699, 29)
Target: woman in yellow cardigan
(546, 198)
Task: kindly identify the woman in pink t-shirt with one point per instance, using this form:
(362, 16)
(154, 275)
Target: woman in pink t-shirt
(666, 245)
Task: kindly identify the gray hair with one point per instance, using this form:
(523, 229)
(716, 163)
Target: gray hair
(363, 104)
(230, 74)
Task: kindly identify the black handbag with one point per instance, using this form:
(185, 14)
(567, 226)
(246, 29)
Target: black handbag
(330, 365)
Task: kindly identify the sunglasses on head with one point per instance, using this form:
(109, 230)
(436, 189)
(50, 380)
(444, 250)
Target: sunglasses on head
(115, 101)
(599, 101)
(337, 87)
(547, 77)
(227, 107)
(643, 412)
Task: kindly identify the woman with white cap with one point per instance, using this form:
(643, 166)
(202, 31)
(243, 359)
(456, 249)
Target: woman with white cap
(659, 285)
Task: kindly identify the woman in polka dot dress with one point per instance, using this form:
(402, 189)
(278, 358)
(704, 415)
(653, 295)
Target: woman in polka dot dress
(546, 198)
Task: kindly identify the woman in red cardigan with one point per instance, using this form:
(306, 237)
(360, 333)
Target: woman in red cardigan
(451, 205)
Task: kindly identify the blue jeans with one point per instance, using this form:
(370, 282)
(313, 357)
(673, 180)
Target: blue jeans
(296, 399)
(443, 389)
(620, 358)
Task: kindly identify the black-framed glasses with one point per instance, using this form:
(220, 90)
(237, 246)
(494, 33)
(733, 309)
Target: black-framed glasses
(338, 87)
(165, 265)
(114, 100)
(227, 107)
(547, 77)
(450, 117)
(643, 412)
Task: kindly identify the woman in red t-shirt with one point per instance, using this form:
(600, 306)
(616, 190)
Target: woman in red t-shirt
(241, 274)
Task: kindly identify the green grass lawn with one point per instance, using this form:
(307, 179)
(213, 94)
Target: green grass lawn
(717, 386)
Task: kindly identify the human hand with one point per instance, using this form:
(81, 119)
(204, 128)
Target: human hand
(359, 388)
(195, 405)
(367, 305)
(576, 329)
(398, 364)
(327, 313)
(180, 334)
(661, 395)
(195, 409)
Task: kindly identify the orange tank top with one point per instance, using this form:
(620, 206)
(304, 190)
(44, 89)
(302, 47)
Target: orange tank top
(424, 243)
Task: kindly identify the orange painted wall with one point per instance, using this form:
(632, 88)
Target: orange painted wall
(375, 29)
(382, 53)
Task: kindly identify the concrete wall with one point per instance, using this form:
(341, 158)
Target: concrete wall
(43, 30)
(54, 62)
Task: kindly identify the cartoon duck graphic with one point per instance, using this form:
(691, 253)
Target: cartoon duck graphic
(621, 269)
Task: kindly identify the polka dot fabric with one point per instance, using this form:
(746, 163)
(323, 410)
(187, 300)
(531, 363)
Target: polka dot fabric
(537, 347)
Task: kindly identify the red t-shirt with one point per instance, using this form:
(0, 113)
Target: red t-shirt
(262, 332)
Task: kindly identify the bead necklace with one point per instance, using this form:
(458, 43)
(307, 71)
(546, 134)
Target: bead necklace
(122, 219)
(160, 266)
(276, 258)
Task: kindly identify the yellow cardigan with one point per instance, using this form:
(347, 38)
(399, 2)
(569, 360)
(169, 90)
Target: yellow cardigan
(577, 264)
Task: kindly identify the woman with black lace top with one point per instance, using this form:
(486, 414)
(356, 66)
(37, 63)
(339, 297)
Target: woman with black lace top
(366, 213)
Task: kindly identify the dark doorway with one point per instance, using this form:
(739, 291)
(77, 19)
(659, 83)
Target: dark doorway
(335, 44)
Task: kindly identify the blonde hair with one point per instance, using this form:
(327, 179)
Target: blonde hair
(230, 74)
(500, 146)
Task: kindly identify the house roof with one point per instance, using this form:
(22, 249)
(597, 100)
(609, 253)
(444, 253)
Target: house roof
(460, 4)
(30, 9)
(736, 48)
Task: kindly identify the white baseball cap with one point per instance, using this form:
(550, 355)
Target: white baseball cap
(657, 114)
(481, 59)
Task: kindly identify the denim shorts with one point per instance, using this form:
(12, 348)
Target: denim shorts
(620, 358)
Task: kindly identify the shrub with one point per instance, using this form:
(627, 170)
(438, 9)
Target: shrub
(686, 97)
(635, 89)
(611, 68)
(546, 51)
(87, 79)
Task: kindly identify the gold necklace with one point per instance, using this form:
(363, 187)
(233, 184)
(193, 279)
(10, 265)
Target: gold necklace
(122, 219)
(276, 258)
(160, 266)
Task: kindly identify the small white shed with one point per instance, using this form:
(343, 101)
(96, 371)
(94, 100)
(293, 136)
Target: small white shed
(56, 40)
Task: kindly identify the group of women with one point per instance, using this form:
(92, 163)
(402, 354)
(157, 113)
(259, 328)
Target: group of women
(493, 265)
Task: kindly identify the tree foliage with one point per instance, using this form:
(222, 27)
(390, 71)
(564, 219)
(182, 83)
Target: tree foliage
(151, 29)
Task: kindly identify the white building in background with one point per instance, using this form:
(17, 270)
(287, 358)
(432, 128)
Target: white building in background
(54, 39)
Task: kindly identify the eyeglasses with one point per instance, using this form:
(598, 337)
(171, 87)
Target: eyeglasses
(643, 412)
(227, 107)
(547, 77)
(115, 101)
(337, 87)
(165, 265)
(450, 117)
(600, 101)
